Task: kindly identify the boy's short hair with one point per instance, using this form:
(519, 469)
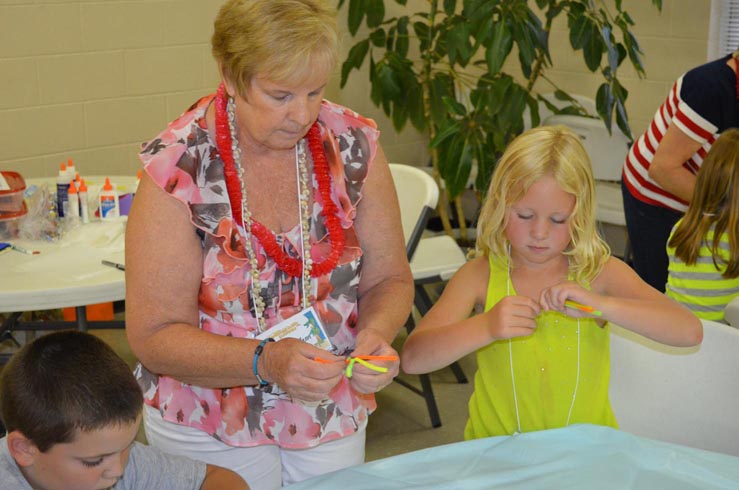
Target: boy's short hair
(64, 382)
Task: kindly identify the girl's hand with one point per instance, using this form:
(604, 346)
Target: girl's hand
(554, 298)
(512, 316)
(372, 343)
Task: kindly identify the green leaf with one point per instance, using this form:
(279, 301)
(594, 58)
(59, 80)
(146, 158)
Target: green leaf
(414, 98)
(401, 46)
(354, 59)
(375, 12)
(377, 37)
(634, 51)
(579, 31)
(593, 52)
(604, 104)
(441, 85)
(450, 128)
(454, 107)
(455, 165)
(611, 50)
(499, 48)
(533, 111)
(399, 115)
(450, 6)
(357, 9)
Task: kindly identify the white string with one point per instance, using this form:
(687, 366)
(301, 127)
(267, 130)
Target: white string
(510, 359)
(577, 376)
(510, 350)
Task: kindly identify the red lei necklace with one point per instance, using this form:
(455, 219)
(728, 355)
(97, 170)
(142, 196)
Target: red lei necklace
(287, 264)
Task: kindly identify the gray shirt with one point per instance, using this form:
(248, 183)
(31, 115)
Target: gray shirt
(147, 468)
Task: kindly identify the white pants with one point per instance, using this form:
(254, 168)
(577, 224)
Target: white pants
(262, 467)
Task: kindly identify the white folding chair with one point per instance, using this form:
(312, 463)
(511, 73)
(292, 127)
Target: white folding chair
(586, 102)
(429, 257)
(607, 153)
(688, 396)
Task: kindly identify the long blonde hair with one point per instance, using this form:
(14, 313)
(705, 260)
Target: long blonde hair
(284, 40)
(715, 203)
(545, 150)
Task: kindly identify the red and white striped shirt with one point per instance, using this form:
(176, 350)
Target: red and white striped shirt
(702, 104)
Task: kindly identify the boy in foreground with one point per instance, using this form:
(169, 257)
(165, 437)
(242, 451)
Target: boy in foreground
(72, 409)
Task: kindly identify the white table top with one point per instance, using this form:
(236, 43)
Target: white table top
(68, 272)
(574, 457)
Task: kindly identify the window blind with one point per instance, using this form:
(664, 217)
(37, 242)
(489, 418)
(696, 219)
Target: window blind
(728, 27)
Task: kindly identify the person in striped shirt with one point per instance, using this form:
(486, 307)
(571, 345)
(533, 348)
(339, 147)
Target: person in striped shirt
(704, 246)
(660, 170)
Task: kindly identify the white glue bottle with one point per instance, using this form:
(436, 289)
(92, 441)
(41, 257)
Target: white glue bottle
(73, 201)
(109, 207)
(84, 210)
(62, 187)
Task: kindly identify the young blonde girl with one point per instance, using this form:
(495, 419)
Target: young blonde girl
(541, 364)
(704, 245)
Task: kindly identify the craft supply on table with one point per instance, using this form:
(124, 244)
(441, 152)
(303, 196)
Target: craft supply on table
(118, 266)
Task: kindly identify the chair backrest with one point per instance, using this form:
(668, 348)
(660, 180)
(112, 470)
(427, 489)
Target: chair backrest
(731, 312)
(417, 195)
(586, 102)
(688, 396)
(607, 151)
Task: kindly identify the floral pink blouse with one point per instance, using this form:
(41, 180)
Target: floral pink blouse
(184, 161)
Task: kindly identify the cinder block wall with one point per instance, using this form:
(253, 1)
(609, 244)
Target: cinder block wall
(91, 79)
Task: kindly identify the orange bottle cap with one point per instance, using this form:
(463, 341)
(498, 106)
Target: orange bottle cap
(83, 186)
(69, 163)
(72, 188)
(62, 167)
(107, 186)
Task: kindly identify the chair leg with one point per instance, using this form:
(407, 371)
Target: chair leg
(428, 395)
(423, 302)
(459, 373)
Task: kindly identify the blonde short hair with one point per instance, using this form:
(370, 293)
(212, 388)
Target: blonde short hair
(283, 40)
(545, 150)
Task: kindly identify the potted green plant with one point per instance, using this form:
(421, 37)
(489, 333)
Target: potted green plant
(441, 68)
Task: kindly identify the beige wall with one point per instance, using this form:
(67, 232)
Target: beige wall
(90, 80)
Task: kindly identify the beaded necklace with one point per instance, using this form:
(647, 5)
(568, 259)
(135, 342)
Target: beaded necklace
(228, 147)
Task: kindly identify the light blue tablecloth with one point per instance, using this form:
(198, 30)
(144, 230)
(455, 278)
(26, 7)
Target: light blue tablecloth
(579, 456)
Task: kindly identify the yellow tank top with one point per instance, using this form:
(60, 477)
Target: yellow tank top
(545, 370)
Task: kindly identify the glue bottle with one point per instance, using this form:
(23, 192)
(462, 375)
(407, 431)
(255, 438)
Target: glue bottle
(84, 210)
(70, 169)
(73, 202)
(109, 207)
(62, 187)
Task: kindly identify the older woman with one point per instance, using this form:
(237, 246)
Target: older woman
(260, 202)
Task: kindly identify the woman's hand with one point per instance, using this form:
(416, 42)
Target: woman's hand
(371, 343)
(291, 365)
(512, 316)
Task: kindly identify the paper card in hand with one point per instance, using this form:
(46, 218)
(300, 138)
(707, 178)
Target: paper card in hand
(305, 325)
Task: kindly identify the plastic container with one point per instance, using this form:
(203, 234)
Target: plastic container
(10, 223)
(12, 187)
(109, 206)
